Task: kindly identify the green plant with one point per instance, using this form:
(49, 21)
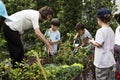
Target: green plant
(62, 72)
(53, 72)
(3, 47)
(5, 67)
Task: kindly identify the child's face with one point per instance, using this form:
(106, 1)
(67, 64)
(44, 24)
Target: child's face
(99, 21)
(54, 28)
(49, 17)
(80, 32)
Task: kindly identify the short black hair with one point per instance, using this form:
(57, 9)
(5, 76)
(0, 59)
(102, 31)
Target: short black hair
(117, 17)
(44, 11)
(104, 15)
(55, 22)
(79, 26)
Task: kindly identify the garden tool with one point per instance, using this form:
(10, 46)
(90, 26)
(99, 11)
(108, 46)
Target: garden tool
(76, 44)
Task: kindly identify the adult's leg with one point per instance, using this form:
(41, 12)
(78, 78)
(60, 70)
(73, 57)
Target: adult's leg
(14, 44)
(2, 19)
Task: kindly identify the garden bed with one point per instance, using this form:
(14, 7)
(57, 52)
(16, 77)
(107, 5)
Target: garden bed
(85, 74)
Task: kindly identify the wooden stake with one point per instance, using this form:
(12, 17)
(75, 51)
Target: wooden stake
(40, 65)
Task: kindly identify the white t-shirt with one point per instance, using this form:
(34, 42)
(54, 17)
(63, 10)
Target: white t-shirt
(117, 36)
(104, 56)
(24, 20)
(53, 35)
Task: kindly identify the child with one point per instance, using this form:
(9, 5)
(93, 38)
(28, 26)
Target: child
(104, 47)
(54, 34)
(84, 36)
(117, 45)
(83, 33)
(25, 20)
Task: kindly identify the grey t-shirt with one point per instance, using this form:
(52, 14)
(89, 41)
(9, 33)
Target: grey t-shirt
(86, 35)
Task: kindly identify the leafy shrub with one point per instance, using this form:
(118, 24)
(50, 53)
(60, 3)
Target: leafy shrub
(53, 72)
(4, 67)
(3, 47)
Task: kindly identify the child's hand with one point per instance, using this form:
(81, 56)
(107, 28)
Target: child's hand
(51, 42)
(92, 41)
(78, 47)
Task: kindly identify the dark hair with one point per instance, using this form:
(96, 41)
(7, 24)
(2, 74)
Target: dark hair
(44, 11)
(80, 26)
(117, 17)
(104, 15)
(55, 22)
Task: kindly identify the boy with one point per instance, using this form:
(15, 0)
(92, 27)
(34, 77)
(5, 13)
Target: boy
(83, 33)
(104, 47)
(24, 20)
(54, 34)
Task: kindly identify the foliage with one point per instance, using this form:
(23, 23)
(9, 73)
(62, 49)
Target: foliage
(24, 72)
(66, 55)
(13, 6)
(62, 72)
(4, 67)
(53, 72)
(3, 47)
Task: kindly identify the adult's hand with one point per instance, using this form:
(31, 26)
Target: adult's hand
(50, 50)
(42, 37)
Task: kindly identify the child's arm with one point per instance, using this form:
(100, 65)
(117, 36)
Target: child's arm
(92, 41)
(84, 42)
(75, 37)
(57, 39)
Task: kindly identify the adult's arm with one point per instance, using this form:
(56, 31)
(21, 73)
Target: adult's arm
(54, 41)
(42, 37)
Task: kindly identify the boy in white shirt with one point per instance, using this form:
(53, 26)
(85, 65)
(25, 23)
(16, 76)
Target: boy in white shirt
(53, 34)
(23, 20)
(104, 47)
